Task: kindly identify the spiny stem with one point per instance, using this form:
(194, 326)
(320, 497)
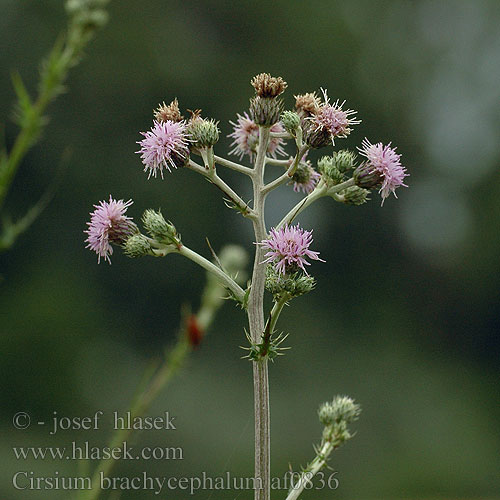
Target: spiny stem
(311, 470)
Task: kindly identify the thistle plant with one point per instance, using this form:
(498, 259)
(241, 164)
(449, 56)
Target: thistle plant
(283, 254)
(85, 17)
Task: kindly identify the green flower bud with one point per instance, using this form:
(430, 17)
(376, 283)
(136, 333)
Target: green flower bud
(204, 133)
(355, 195)
(328, 168)
(137, 245)
(159, 229)
(344, 159)
(291, 285)
(366, 176)
(266, 110)
(290, 121)
(303, 173)
(341, 409)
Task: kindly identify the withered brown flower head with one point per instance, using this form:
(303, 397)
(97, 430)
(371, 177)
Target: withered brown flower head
(266, 85)
(307, 103)
(195, 115)
(170, 112)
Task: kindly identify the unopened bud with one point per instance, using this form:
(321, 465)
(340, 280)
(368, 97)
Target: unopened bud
(203, 133)
(137, 245)
(291, 285)
(266, 110)
(290, 121)
(344, 160)
(328, 168)
(355, 195)
(159, 229)
(341, 409)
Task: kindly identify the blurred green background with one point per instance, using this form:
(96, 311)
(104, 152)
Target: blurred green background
(405, 316)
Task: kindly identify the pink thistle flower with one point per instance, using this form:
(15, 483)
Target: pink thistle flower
(109, 224)
(246, 138)
(165, 145)
(333, 119)
(386, 162)
(289, 246)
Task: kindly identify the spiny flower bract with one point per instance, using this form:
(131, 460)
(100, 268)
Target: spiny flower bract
(246, 137)
(288, 248)
(165, 145)
(305, 178)
(385, 161)
(109, 224)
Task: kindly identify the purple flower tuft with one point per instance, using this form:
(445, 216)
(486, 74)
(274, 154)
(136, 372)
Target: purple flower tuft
(108, 224)
(289, 246)
(246, 138)
(385, 161)
(165, 145)
(333, 119)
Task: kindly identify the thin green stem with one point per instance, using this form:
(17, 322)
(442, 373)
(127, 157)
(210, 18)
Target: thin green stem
(62, 57)
(320, 191)
(276, 311)
(311, 470)
(154, 381)
(212, 176)
(225, 280)
(139, 407)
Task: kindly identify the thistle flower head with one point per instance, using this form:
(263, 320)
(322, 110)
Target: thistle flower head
(203, 132)
(384, 161)
(307, 104)
(109, 224)
(266, 85)
(165, 145)
(288, 248)
(246, 137)
(305, 178)
(333, 119)
(171, 112)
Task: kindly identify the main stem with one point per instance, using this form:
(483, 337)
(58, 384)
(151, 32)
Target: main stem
(256, 325)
